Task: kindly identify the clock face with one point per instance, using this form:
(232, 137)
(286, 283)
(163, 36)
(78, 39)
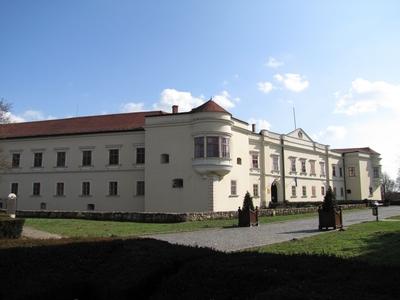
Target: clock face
(300, 135)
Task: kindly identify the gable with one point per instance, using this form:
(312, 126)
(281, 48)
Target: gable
(300, 134)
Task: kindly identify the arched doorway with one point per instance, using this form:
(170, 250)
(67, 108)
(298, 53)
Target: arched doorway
(274, 193)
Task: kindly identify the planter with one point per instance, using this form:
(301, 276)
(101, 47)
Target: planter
(332, 218)
(248, 218)
(11, 228)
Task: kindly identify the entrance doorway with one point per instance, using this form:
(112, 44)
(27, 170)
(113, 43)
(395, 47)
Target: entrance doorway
(274, 193)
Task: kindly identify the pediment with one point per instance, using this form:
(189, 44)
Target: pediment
(300, 134)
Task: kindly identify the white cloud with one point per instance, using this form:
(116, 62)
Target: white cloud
(293, 82)
(132, 107)
(265, 87)
(28, 116)
(260, 124)
(366, 96)
(273, 62)
(332, 133)
(186, 101)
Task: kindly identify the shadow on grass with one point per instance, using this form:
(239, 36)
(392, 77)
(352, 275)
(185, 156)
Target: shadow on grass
(300, 231)
(152, 269)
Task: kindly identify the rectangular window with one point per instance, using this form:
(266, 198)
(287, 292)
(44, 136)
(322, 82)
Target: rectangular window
(352, 171)
(90, 206)
(60, 189)
(334, 170)
(199, 147)
(60, 159)
(334, 190)
(224, 147)
(293, 164)
(340, 172)
(113, 188)
(376, 172)
(322, 190)
(86, 188)
(38, 159)
(275, 163)
(113, 156)
(212, 146)
(312, 167)
(16, 157)
(255, 190)
(348, 191)
(43, 205)
(293, 191)
(14, 188)
(304, 191)
(140, 188)
(313, 192)
(341, 191)
(371, 191)
(140, 155)
(233, 187)
(177, 183)
(36, 189)
(254, 161)
(303, 166)
(86, 158)
(322, 165)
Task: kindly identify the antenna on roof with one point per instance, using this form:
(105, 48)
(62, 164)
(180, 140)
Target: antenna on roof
(294, 118)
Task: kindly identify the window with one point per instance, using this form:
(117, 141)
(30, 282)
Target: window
(198, 147)
(352, 171)
(212, 146)
(165, 158)
(312, 167)
(304, 191)
(60, 159)
(16, 157)
(293, 165)
(322, 165)
(233, 187)
(254, 161)
(348, 191)
(140, 188)
(322, 190)
(86, 158)
(334, 190)
(113, 157)
(303, 166)
(224, 147)
(313, 192)
(113, 188)
(38, 159)
(177, 183)
(275, 163)
(43, 205)
(340, 172)
(255, 190)
(90, 207)
(239, 161)
(371, 192)
(341, 192)
(140, 155)
(36, 189)
(376, 172)
(14, 188)
(60, 189)
(86, 188)
(333, 170)
(293, 191)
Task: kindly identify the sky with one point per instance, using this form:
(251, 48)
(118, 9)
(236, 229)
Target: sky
(337, 62)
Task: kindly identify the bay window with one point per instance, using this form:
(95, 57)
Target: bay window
(211, 146)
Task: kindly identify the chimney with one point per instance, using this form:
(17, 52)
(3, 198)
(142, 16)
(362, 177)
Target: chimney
(253, 127)
(174, 109)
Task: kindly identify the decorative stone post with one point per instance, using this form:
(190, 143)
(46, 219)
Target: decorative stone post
(12, 205)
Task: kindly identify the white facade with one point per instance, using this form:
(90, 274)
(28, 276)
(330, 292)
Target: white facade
(204, 160)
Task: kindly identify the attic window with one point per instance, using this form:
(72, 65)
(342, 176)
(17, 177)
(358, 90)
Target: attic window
(177, 183)
(239, 161)
(165, 158)
(300, 135)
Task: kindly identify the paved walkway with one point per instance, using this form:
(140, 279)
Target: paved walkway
(31, 233)
(234, 239)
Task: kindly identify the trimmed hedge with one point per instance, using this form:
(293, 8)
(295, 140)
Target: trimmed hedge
(10, 228)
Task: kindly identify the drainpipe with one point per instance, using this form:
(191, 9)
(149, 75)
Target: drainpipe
(344, 177)
(327, 166)
(283, 168)
(263, 199)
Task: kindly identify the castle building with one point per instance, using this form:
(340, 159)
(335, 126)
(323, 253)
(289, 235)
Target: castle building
(202, 160)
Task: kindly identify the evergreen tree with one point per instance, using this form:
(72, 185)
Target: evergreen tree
(329, 200)
(248, 202)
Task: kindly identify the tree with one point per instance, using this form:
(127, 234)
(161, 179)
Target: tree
(389, 185)
(248, 202)
(398, 181)
(329, 200)
(4, 111)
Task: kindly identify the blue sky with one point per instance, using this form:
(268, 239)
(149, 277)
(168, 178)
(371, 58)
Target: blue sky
(337, 62)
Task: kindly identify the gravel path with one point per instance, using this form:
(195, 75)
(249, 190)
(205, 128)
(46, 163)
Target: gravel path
(31, 233)
(234, 239)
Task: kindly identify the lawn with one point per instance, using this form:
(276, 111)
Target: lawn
(375, 242)
(88, 228)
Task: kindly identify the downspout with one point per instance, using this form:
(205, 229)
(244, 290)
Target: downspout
(344, 177)
(283, 175)
(263, 201)
(327, 166)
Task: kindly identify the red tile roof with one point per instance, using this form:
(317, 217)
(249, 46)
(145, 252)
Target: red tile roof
(79, 125)
(209, 106)
(362, 150)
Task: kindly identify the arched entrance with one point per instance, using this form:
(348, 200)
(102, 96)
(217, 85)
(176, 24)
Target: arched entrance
(274, 193)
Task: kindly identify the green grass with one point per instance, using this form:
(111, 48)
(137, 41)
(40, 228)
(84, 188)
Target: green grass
(375, 242)
(88, 228)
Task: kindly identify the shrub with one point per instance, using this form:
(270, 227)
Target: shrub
(248, 202)
(329, 200)
(10, 228)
